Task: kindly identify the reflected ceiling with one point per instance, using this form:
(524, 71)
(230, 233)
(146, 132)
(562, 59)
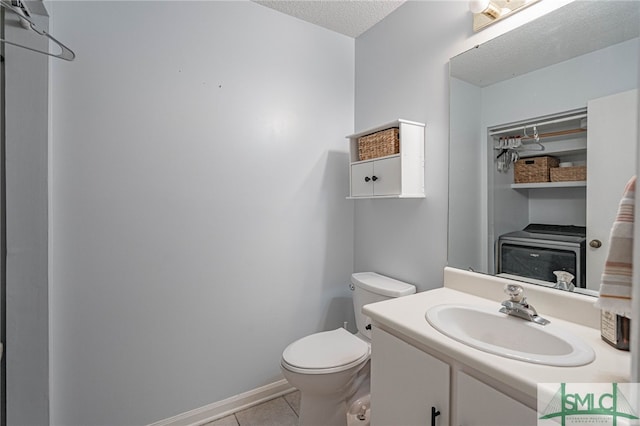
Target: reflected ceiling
(534, 46)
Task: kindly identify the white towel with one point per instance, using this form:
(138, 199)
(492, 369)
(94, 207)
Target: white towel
(615, 289)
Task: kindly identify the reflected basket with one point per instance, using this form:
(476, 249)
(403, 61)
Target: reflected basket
(568, 174)
(534, 169)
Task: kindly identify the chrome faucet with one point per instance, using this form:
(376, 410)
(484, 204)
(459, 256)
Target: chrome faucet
(564, 279)
(518, 307)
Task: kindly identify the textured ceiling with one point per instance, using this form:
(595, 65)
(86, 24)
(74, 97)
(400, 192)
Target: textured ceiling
(573, 30)
(348, 17)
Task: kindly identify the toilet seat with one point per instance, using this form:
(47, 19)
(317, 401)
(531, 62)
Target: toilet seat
(325, 352)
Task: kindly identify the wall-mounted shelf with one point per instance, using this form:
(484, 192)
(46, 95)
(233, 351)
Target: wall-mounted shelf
(387, 196)
(393, 176)
(570, 184)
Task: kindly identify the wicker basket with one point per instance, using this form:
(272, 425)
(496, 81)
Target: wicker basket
(379, 144)
(534, 169)
(565, 174)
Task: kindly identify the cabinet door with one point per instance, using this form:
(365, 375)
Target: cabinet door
(611, 161)
(478, 404)
(361, 183)
(406, 384)
(387, 176)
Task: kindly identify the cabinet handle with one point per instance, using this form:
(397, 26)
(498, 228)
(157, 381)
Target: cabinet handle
(595, 243)
(434, 413)
(367, 178)
(374, 178)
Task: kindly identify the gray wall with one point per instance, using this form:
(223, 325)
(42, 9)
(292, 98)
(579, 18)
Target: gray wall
(402, 71)
(199, 221)
(27, 335)
(199, 218)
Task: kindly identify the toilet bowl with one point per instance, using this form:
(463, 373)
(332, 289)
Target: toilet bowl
(331, 368)
(328, 368)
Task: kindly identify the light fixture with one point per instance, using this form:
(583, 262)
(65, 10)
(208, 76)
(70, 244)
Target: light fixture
(486, 12)
(486, 7)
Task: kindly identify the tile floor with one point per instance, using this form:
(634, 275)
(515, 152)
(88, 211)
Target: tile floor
(282, 411)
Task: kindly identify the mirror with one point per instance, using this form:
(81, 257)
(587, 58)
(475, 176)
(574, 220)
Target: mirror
(535, 91)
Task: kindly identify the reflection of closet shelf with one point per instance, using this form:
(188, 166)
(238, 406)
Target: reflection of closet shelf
(570, 184)
(557, 134)
(562, 135)
(565, 147)
(554, 126)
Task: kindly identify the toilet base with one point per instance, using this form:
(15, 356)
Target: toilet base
(359, 413)
(326, 398)
(356, 414)
(331, 411)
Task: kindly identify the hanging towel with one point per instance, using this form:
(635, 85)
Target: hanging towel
(615, 289)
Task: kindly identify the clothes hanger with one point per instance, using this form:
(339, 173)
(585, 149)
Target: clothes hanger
(66, 53)
(535, 137)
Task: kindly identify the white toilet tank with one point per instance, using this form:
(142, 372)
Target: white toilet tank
(369, 287)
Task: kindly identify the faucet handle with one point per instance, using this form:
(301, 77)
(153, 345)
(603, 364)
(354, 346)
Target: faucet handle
(515, 292)
(564, 279)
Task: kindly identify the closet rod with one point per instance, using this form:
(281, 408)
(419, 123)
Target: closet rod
(66, 53)
(537, 123)
(558, 133)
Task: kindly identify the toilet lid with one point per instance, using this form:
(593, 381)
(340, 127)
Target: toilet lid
(327, 349)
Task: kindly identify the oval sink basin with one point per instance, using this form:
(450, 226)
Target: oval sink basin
(501, 334)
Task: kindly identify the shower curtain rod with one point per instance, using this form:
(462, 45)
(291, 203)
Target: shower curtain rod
(66, 53)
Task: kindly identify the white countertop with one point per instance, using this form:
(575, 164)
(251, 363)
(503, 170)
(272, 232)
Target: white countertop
(405, 317)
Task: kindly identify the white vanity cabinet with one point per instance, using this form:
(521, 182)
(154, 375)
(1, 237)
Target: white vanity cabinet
(408, 386)
(394, 176)
(414, 366)
(478, 404)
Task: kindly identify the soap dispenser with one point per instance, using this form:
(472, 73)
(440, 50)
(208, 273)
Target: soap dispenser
(615, 330)
(564, 279)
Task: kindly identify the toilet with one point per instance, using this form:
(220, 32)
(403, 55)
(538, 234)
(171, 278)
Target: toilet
(331, 368)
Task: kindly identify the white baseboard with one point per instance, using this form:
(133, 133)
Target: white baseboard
(226, 407)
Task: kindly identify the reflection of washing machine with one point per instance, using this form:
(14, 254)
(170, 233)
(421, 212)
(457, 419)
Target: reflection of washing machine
(538, 250)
